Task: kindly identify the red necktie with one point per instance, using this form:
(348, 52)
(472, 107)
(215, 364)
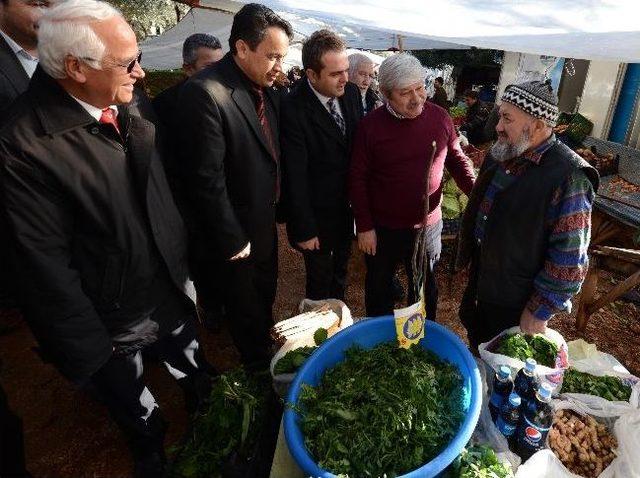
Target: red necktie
(258, 94)
(109, 117)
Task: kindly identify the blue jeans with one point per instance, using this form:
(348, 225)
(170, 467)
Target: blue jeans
(396, 246)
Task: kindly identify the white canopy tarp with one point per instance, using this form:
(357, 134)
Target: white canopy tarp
(165, 51)
(585, 29)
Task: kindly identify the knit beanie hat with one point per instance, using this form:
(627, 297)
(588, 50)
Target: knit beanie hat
(535, 98)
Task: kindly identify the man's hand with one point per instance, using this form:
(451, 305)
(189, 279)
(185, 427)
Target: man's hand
(367, 242)
(530, 325)
(310, 245)
(244, 253)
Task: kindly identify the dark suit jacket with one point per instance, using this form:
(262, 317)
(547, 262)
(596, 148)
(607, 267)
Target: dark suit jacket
(315, 161)
(228, 166)
(13, 79)
(92, 236)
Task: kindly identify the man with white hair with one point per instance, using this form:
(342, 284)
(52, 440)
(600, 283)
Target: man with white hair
(387, 181)
(362, 74)
(101, 248)
(526, 229)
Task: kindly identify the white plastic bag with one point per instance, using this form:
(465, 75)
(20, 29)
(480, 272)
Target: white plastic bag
(486, 433)
(495, 360)
(626, 429)
(281, 382)
(586, 358)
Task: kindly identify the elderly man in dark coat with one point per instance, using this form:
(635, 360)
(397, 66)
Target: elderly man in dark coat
(101, 248)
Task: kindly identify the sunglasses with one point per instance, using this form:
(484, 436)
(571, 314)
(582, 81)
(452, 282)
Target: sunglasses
(129, 66)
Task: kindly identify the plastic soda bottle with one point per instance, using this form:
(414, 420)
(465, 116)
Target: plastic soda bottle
(502, 388)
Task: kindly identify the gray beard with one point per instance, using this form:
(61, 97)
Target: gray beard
(503, 151)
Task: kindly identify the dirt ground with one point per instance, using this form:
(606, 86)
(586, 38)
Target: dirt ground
(69, 435)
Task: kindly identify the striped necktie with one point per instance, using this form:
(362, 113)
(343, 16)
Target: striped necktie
(333, 109)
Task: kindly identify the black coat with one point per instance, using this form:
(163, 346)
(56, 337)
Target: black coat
(230, 173)
(94, 224)
(13, 79)
(315, 160)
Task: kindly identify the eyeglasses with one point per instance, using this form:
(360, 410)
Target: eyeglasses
(131, 65)
(128, 65)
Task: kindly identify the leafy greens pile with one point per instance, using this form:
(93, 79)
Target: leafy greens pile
(228, 426)
(608, 387)
(294, 359)
(480, 461)
(383, 410)
(522, 347)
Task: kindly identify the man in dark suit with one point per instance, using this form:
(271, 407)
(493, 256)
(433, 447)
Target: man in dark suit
(18, 47)
(231, 155)
(18, 61)
(101, 247)
(317, 126)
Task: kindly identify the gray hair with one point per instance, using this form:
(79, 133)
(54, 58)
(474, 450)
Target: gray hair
(195, 41)
(66, 29)
(357, 59)
(399, 71)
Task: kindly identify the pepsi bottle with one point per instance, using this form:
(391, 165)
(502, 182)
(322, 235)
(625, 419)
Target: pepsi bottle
(535, 423)
(509, 418)
(525, 384)
(502, 388)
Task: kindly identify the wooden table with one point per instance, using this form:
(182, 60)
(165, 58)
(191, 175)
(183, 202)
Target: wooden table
(611, 249)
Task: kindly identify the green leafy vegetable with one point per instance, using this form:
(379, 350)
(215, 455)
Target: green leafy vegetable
(320, 335)
(608, 387)
(293, 360)
(522, 347)
(229, 425)
(480, 462)
(384, 410)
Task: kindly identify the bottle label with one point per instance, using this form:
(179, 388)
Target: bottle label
(496, 399)
(507, 429)
(533, 435)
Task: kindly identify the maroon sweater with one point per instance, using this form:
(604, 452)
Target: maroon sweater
(388, 164)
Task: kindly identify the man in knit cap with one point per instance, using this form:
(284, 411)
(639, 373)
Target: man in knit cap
(526, 230)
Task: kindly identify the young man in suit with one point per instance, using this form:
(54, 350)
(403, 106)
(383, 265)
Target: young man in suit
(231, 168)
(319, 119)
(101, 247)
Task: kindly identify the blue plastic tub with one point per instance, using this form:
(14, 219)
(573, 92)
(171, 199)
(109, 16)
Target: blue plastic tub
(367, 334)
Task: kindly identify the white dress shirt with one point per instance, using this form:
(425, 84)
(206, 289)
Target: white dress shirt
(27, 61)
(94, 111)
(325, 100)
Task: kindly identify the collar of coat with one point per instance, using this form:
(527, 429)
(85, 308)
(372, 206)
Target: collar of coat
(57, 110)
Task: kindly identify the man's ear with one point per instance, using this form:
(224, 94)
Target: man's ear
(242, 49)
(75, 69)
(312, 75)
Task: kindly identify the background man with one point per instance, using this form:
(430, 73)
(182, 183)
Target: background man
(198, 51)
(527, 226)
(362, 74)
(101, 248)
(18, 60)
(390, 154)
(476, 118)
(440, 95)
(229, 132)
(318, 123)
